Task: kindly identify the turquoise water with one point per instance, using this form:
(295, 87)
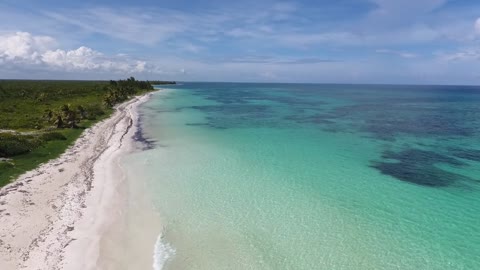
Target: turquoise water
(291, 176)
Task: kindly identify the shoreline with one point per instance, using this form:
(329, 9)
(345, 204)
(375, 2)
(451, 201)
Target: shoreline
(56, 216)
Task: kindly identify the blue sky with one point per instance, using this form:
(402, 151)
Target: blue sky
(343, 41)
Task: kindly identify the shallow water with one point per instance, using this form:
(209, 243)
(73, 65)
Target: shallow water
(291, 176)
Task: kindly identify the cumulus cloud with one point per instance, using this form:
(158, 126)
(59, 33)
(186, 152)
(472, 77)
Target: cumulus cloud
(23, 47)
(85, 59)
(477, 26)
(29, 50)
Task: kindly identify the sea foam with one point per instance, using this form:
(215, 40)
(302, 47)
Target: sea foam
(162, 252)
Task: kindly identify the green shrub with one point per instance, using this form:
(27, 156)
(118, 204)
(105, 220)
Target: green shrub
(14, 144)
(5, 165)
(52, 136)
(93, 111)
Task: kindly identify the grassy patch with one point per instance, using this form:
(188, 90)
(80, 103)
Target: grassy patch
(24, 105)
(25, 162)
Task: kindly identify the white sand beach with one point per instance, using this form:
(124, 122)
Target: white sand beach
(62, 214)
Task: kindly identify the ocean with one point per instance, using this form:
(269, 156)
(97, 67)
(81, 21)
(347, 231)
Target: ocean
(312, 176)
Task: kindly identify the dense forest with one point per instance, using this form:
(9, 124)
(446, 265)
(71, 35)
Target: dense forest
(39, 119)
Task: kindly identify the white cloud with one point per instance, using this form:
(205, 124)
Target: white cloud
(82, 58)
(477, 26)
(23, 47)
(29, 50)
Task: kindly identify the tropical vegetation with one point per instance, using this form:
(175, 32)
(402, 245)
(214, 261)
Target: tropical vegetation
(40, 119)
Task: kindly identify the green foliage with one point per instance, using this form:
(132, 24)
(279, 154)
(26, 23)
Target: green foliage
(13, 144)
(52, 136)
(25, 162)
(94, 111)
(34, 108)
(119, 91)
(27, 105)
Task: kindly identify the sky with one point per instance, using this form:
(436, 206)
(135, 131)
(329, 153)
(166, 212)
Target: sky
(322, 41)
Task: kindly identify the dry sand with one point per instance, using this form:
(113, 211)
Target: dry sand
(55, 216)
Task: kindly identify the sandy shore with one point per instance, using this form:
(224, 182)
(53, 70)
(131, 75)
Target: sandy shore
(55, 216)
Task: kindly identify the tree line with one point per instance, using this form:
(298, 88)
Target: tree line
(68, 116)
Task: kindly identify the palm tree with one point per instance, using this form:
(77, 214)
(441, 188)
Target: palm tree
(69, 116)
(108, 100)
